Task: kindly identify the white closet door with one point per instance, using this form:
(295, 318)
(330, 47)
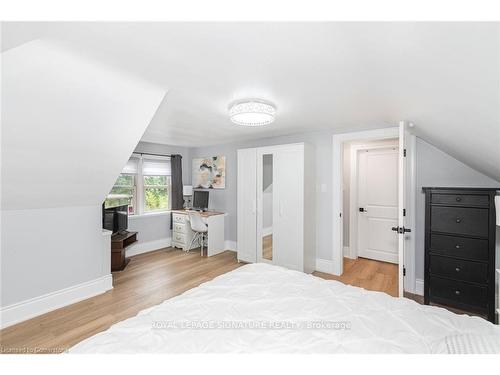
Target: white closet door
(247, 205)
(288, 215)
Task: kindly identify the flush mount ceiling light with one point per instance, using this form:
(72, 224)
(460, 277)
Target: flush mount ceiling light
(252, 112)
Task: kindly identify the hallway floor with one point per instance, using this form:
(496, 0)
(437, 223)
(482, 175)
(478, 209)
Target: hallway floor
(369, 274)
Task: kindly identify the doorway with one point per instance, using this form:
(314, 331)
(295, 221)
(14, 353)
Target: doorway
(405, 204)
(370, 195)
(373, 196)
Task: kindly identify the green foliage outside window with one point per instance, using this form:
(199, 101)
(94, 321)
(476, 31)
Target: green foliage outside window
(122, 193)
(156, 193)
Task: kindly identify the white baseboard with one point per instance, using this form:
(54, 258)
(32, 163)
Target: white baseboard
(145, 247)
(230, 245)
(28, 309)
(347, 252)
(419, 287)
(267, 231)
(324, 265)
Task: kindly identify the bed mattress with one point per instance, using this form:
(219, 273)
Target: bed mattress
(269, 309)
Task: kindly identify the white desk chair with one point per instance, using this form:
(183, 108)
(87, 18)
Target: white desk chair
(200, 229)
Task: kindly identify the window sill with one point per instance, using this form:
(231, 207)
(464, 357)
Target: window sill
(149, 214)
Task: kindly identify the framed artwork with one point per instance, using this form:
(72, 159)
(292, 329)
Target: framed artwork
(209, 173)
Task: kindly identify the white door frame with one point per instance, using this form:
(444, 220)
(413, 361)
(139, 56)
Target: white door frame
(353, 191)
(337, 196)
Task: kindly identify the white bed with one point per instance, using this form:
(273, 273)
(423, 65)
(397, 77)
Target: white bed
(367, 322)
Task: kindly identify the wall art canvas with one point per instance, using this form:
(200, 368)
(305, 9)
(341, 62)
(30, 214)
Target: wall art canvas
(209, 173)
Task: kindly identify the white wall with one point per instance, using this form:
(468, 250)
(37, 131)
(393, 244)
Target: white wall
(45, 250)
(436, 168)
(225, 199)
(69, 124)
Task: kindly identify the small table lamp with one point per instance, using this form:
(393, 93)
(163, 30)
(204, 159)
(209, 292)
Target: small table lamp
(187, 192)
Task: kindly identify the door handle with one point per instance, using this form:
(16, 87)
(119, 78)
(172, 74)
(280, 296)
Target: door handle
(362, 209)
(401, 230)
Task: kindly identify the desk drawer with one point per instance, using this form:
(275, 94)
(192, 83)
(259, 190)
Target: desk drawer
(460, 220)
(458, 269)
(445, 290)
(179, 218)
(461, 199)
(179, 238)
(180, 228)
(460, 247)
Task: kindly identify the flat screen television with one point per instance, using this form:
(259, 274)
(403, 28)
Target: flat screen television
(115, 219)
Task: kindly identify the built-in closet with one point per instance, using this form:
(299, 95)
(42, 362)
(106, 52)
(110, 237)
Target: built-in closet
(276, 206)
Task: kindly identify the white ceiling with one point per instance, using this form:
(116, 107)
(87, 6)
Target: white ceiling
(341, 76)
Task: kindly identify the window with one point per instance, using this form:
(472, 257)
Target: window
(144, 185)
(156, 193)
(123, 192)
(156, 183)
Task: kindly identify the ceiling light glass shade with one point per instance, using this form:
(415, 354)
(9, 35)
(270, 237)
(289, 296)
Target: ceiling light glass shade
(252, 113)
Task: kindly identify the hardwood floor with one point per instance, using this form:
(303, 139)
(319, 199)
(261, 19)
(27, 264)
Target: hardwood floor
(267, 247)
(148, 280)
(368, 274)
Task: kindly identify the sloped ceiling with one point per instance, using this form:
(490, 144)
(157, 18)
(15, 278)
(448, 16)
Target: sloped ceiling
(69, 124)
(445, 77)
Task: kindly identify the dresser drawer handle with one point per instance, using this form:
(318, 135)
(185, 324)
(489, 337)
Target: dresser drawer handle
(457, 246)
(457, 292)
(457, 269)
(458, 199)
(458, 220)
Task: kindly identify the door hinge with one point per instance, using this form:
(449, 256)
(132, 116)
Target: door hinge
(404, 271)
(404, 211)
(404, 152)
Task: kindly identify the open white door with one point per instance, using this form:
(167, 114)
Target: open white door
(402, 228)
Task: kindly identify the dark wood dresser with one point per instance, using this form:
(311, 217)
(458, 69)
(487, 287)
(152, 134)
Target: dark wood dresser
(460, 249)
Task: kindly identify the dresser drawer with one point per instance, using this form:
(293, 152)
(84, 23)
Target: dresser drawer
(458, 269)
(461, 199)
(460, 220)
(179, 218)
(444, 290)
(468, 248)
(179, 238)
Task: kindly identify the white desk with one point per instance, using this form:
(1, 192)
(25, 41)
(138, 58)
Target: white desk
(182, 233)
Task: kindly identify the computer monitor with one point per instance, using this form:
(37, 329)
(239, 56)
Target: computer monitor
(200, 200)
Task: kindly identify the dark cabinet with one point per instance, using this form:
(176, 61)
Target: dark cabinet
(460, 248)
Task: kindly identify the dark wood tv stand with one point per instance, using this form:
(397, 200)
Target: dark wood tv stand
(119, 242)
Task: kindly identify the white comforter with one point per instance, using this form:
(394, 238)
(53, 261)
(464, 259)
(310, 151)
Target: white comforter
(270, 309)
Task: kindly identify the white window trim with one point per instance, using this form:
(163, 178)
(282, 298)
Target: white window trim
(140, 196)
(134, 188)
(139, 188)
